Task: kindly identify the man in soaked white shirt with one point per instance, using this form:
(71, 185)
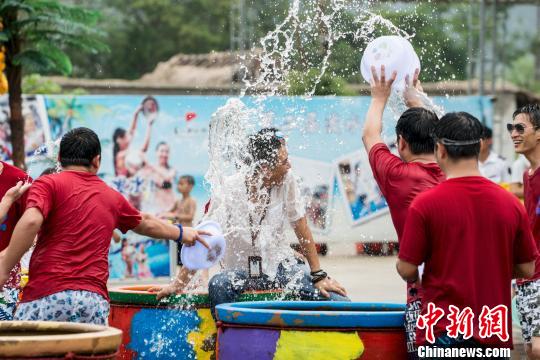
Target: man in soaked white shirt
(253, 216)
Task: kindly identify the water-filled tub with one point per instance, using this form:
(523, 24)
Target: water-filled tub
(51, 339)
(311, 330)
(180, 326)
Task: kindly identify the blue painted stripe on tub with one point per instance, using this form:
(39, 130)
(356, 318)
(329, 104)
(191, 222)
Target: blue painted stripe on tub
(315, 314)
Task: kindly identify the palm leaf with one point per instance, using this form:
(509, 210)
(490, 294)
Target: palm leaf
(34, 60)
(4, 36)
(15, 5)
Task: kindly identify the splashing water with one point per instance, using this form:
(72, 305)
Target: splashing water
(302, 42)
(296, 42)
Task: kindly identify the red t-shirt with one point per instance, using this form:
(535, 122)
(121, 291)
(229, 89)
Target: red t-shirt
(80, 213)
(400, 182)
(531, 190)
(470, 233)
(9, 177)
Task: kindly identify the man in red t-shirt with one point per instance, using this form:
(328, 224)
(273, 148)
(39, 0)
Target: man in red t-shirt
(525, 133)
(11, 209)
(402, 178)
(75, 213)
(473, 237)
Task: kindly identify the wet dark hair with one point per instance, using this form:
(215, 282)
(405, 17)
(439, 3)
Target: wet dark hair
(49, 171)
(190, 179)
(264, 147)
(161, 143)
(79, 147)
(487, 133)
(533, 110)
(149, 97)
(416, 126)
(118, 133)
(460, 133)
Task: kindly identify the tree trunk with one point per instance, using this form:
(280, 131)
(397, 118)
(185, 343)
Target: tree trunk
(14, 76)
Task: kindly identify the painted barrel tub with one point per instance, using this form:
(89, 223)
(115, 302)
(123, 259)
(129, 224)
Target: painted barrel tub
(311, 330)
(180, 326)
(53, 340)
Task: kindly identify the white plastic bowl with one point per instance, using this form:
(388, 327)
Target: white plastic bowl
(395, 53)
(198, 257)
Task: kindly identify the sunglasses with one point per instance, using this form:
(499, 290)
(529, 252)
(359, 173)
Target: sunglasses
(520, 128)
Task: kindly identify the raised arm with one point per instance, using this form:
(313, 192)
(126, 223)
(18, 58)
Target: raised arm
(133, 125)
(146, 143)
(23, 236)
(380, 92)
(414, 93)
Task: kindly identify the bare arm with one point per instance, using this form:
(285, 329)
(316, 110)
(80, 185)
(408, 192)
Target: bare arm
(153, 227)
(133, 126)
(307, 245)
(525, 270)
(147, 136)
(21, 240)
(407, 271)
(380, 92)
(176, 286)
(11, 196)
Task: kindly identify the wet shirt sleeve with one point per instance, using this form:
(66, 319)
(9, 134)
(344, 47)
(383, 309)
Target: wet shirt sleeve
(295, 206)
(40, 196)
(128, 217)
(383, 163)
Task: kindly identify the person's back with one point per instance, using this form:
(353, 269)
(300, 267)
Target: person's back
(79, 217)
(402, 178)
(471, 224)
(400, 182)
(472, 236)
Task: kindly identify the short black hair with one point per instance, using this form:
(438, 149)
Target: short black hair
(190, 179)
(416, 126)
(533, 110)
(487, 133)
(264, 147)
(161, 143)
(79, 147)
(460, 133)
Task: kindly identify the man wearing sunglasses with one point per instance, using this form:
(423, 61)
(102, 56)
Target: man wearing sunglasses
(525, 134)
(402, 178)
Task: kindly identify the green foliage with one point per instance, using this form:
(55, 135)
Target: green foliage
(36, 84)
(521, 72)
(45, 29)
(300, 83)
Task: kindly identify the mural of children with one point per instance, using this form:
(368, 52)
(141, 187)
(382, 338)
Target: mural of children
(128, 253)
(127, 161)
(34, 136)
(183, 210)
(143, 271)
(162, 176)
